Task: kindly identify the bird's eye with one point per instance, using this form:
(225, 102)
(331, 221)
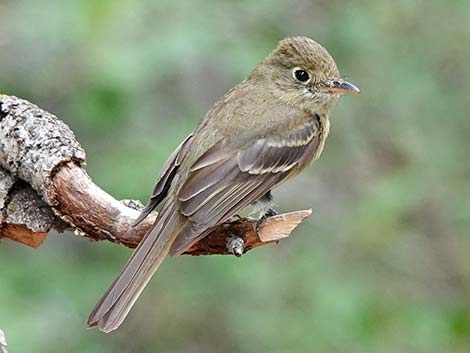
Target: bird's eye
(301, 75)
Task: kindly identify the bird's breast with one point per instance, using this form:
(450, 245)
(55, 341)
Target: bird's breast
(315, 148)
(324, 129)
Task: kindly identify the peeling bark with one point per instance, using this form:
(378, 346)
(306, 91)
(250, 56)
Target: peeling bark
(33, 143)
(24, 216)
(26, 208)
(43, 186)
(6, 183)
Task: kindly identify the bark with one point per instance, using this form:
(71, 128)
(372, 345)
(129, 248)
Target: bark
(34, 143)
(43, 186)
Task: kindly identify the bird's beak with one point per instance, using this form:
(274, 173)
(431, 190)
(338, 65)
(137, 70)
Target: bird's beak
(340, 86)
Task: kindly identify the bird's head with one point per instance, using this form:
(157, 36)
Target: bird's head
(301, 72)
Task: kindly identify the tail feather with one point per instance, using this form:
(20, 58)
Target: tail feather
(117, 301)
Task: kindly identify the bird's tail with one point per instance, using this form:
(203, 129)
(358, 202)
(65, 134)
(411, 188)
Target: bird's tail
(115, 304)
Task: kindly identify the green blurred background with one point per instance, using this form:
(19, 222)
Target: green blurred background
(383, 265)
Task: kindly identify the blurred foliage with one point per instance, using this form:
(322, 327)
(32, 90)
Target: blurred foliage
(383, 265)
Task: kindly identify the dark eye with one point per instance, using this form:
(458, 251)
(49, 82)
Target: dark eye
(301, 75)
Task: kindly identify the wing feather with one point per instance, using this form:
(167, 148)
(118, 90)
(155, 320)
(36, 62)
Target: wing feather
(226, 179)
(163, 184)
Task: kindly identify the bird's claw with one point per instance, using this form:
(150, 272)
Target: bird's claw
(269, 213)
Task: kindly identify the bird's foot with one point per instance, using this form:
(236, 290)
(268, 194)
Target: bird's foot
(270, 212)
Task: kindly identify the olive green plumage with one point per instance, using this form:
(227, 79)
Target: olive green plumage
(262, 132)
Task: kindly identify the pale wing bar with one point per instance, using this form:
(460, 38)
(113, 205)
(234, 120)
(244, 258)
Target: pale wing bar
(226, 179)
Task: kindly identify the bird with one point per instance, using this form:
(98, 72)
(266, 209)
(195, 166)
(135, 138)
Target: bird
(261, 133)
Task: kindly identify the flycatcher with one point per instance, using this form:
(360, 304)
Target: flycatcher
(259, 134)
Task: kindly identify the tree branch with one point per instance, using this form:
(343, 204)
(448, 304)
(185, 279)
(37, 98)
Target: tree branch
(43, 186)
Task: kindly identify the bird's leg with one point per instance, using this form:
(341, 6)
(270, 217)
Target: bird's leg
(270, 212)
(266, 204)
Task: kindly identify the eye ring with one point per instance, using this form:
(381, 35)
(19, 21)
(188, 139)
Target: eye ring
(301, 75)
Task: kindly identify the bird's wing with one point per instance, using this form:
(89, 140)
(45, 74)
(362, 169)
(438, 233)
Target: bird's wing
(164, 181)
(226, 179)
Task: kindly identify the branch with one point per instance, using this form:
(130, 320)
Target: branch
(43, 186)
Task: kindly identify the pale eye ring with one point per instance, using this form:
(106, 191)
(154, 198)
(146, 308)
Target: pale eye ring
(301, 75)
